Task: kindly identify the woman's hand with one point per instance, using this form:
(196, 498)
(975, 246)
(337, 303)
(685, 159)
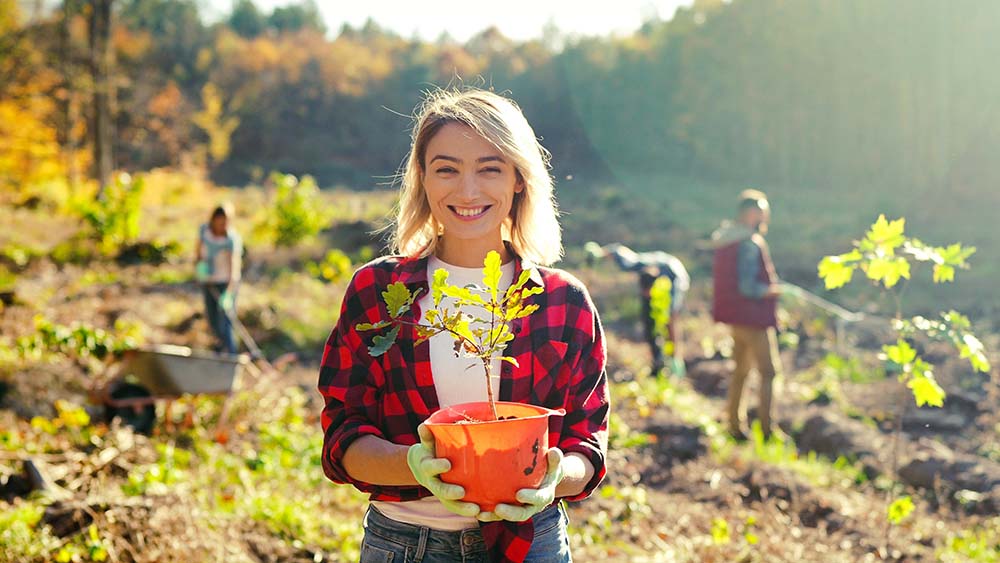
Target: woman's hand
(534, 500)
(426, 468)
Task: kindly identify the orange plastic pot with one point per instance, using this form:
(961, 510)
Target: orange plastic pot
(492, 460)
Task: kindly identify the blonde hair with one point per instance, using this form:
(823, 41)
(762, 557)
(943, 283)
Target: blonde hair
(533, 225)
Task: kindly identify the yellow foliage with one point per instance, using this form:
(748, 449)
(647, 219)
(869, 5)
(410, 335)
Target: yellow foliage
(10, 15)
(210, 119)
(170, 187)
(130, 44)
(167, 101)
(29, 148)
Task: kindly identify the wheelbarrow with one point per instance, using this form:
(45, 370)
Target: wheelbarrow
(166, 372)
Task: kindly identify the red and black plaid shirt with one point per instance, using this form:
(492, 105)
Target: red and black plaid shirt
(559, 348)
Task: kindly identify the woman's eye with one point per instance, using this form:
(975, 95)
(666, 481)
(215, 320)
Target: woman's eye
(446, 170)
(490, 170)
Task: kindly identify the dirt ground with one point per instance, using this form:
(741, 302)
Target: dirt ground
(667, 497)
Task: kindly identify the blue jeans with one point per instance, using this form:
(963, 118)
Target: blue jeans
(389, 541)
(217, 318)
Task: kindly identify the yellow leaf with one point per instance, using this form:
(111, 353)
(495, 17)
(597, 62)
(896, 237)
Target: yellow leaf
(491, 273)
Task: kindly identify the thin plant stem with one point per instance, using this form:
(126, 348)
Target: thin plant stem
(478, 348)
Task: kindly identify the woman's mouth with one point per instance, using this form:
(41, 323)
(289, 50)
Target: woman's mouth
(469, 213)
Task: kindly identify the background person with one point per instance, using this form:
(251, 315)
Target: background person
(219, 261)
(651, 266)
(745, 297)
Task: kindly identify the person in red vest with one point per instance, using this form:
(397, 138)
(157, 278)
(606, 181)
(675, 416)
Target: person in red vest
(745, 298)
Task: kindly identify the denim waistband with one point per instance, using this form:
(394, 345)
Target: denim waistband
(422, 538)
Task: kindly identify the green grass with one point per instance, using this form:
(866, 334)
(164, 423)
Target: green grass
(646, 393)
(268, 472)
(981, 544)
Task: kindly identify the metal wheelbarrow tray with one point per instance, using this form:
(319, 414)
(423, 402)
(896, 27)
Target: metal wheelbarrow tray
(165, 372)
(170, 371)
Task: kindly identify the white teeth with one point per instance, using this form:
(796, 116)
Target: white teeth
(466, 212)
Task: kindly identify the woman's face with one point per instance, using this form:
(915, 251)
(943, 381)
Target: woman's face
(219, 224)
(470, 187)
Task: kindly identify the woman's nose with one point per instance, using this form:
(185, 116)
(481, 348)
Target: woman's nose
(469, 188)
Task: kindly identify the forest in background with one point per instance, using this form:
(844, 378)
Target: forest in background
(840, 110)
(844, 95)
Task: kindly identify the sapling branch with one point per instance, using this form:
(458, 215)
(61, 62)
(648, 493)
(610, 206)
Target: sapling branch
(885, 255)
(474, 341)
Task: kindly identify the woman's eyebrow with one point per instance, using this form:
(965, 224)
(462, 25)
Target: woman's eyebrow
(480, 160)
(492, 158)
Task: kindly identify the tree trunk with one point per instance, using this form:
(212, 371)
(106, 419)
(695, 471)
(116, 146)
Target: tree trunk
(99, 26)
(67, 103)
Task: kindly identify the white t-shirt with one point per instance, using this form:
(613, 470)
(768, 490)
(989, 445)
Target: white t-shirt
(456, 380)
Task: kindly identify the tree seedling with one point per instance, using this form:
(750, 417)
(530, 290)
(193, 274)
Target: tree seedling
(478, 318)
(886, 256)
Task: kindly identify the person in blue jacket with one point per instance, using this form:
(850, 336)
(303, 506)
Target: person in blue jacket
(651, 266)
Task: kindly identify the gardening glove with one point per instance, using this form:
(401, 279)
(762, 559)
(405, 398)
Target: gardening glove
(201, 270)
(677, 367)
(226, 300)
(534, 500)
(426, 468)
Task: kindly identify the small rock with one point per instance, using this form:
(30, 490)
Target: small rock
(955, 472)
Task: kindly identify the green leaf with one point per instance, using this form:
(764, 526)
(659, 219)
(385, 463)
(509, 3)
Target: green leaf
(951, 258)
(900, 509)
(497, 333)
(397, 299)
(462, 329)
(513, 289)
(973, 349)
(381, 344)
(525, 311)
(525, 294)
(957, 320)
(886, 236)
(835, 271)
(900, 353)
(888, 270)
(438, 285)
(956, 254)
(425, 332)
(491, 273)
(720, 531)
(511, 360)
(943, 273)
(371, 326)
(463, 294)
(926, 390)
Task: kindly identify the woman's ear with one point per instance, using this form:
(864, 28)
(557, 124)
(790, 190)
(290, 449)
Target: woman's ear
(519, 185)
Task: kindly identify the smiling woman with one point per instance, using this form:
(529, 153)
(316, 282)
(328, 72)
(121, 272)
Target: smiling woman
(470, 189)
(497, 148)
(476, 181)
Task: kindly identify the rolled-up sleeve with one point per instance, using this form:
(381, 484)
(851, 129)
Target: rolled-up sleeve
(349, 381)
(748, 268)
(585, 427)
